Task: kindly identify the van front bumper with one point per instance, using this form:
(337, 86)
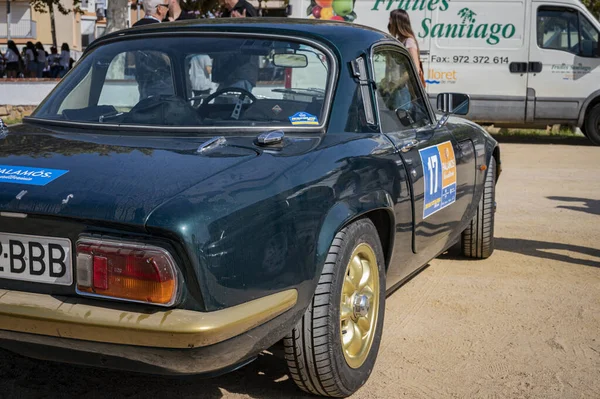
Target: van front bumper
(172, 341)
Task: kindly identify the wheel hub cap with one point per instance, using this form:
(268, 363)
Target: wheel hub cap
(359, 305)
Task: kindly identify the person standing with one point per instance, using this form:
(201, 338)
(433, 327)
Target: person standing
(13, 60)
(31, 59)
(54, 62)
(176, 13)
(155, 10)
(400, 27)
(64, 60)
(200, 70)
(235, 69)
(238, 9)
(41, 59)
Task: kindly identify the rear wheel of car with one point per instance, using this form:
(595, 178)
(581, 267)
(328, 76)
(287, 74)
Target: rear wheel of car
(478, 237)
(592, 125)
(332, 349)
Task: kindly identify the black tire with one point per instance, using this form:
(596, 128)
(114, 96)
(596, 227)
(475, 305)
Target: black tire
(313, 350)
(592, 124)
(478, 238)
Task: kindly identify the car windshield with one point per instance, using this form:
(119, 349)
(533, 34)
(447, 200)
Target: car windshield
(194, 81)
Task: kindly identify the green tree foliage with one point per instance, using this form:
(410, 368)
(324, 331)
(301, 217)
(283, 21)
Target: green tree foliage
(48, 6)
(43, 6)
(593, 6)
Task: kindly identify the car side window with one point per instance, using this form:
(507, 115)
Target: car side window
(566, 30)
(400, 103)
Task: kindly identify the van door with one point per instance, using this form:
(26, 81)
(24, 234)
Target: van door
(479, 47)
(564, 62)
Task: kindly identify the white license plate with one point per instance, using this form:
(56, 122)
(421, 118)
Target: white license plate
(33, 258)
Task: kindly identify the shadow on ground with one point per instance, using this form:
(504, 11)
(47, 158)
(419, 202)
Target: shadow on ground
(538, 249)
(26, 378)
(588, 205)
(542, 249)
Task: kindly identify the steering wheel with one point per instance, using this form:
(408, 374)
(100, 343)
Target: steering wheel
(238, 105)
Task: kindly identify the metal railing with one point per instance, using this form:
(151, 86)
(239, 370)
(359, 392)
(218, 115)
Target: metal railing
(23, 29)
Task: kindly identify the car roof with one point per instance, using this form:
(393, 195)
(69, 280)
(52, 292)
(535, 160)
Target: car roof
(347, 38)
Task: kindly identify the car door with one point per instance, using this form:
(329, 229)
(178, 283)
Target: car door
(430, 154)
(564, 48)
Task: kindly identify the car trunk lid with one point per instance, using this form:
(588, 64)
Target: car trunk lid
(103, 177)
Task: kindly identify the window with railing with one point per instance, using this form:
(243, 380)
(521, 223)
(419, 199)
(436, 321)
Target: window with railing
(22, 29)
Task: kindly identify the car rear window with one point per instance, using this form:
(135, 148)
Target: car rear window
(194, 81)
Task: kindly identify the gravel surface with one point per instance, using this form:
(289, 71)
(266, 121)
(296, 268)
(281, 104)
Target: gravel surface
(522, 324)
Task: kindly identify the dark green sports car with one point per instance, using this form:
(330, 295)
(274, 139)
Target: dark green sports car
(192, 193)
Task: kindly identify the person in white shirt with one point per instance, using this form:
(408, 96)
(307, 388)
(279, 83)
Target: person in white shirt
(200, 69)
(31, 59)
(65, 59)
(54, 62)
(41, 59)
(13, 60)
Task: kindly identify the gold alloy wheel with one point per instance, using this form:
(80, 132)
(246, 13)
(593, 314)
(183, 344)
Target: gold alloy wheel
(359, 305)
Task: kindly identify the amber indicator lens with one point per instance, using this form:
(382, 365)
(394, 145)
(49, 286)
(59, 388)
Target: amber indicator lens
(134, 272)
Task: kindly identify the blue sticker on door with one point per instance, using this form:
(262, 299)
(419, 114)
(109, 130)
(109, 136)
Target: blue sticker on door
(29, 175)
(439, 172)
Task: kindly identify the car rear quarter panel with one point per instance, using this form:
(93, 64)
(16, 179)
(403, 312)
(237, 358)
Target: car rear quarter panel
(267, 226)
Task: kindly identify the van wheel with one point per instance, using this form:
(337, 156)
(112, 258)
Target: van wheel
(332, 349)
(478, 237)
(592, 125)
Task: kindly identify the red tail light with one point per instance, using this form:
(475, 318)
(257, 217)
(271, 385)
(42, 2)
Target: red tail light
(127, 271)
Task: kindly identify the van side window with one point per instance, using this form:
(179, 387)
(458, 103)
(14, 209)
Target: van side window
(399, 100)
(566, 30)
(589, 39)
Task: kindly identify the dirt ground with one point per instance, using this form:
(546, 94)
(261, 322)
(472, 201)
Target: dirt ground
(523, 324)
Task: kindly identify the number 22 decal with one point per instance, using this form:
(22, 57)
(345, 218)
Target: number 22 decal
(439, 171)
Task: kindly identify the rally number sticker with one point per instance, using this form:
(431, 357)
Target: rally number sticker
(439, 171)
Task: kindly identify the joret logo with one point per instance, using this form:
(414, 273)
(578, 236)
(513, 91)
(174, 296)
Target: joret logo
(436, 77)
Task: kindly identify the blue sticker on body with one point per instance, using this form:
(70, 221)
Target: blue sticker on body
(29, 175)
(439, 171)
(304, 118)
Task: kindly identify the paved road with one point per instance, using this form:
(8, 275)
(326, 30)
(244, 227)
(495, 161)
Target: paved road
(523, 324)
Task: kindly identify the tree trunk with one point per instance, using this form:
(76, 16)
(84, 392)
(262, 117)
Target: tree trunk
(116, 18)
(52, 25)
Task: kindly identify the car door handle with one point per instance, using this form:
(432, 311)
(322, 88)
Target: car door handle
(518, 67)
(409, 146)
(535, 67)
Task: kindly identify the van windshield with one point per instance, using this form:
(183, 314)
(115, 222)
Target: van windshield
(194, 81)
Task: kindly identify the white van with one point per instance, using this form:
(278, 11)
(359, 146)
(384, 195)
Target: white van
(523, 62)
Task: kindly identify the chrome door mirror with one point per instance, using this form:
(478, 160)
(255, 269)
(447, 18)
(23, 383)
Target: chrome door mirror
(453, 103)
(405, 119)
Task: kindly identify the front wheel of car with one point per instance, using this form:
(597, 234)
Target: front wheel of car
(592, 125)
(478, 238)
(332, 349)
